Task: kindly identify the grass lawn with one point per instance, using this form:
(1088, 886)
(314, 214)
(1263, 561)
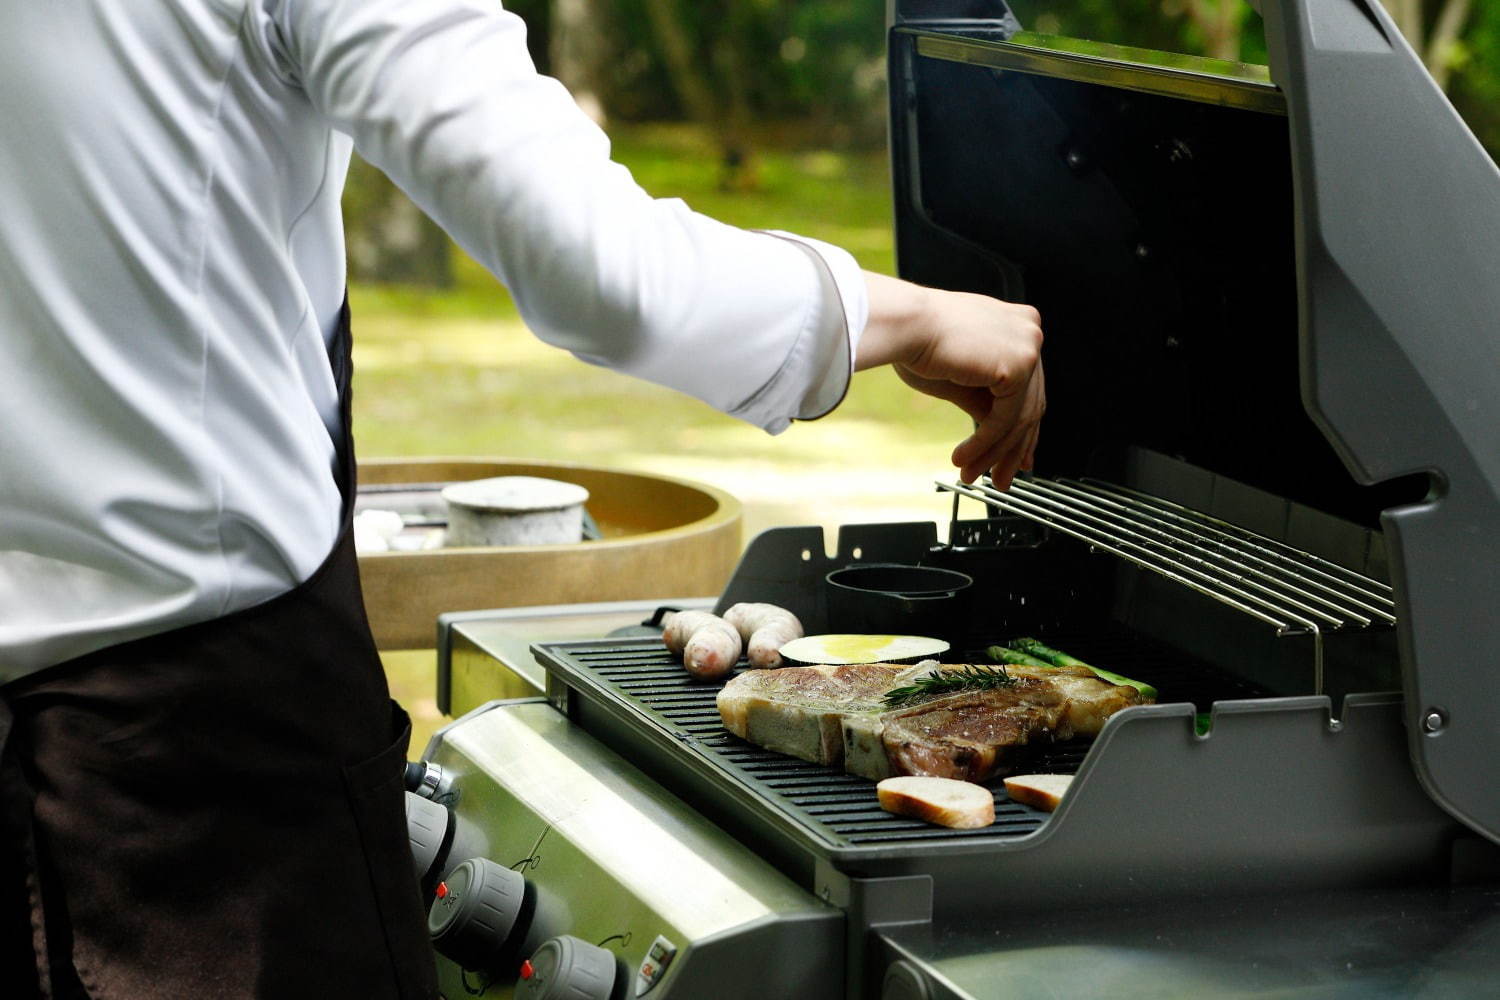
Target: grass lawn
(456, 373)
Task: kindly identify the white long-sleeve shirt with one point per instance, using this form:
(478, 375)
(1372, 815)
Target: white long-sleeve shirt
(172, 264)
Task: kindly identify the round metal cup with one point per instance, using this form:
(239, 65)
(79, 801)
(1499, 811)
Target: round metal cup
(898, 599)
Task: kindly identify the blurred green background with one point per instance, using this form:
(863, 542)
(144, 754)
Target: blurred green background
(763, 114)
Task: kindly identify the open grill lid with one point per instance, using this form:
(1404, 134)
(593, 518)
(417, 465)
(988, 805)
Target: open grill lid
(1398, 257)
(1294, 285)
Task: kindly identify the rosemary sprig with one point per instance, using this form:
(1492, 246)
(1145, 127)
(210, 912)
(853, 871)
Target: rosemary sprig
(970, 677)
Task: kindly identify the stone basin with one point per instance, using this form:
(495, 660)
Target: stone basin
(661, 537)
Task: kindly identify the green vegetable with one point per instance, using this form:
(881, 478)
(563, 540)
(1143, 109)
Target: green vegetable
(1001, 654)
(970, 677)
(1038, 654)
(1056, 657)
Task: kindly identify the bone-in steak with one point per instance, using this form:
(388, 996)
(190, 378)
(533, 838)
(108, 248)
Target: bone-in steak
(838, 716)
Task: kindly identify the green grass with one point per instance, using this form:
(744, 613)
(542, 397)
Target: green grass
(840, 197)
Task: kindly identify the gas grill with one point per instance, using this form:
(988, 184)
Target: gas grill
(1269, 486)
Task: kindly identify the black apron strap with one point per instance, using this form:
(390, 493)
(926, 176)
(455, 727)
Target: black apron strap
(341, 360)
(218, 810)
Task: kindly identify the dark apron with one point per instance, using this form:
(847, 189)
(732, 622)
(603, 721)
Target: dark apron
(215, 811)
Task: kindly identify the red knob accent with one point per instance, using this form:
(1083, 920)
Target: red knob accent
(526, 970)
(442, 890)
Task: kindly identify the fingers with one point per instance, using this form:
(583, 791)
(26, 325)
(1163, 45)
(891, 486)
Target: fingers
(998, 445)
(984, 356)
(1029, 461)
(1005, 440)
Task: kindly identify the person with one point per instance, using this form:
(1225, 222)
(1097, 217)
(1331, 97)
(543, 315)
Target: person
(201, 769)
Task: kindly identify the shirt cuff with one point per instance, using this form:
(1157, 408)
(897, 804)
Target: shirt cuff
(829, 342)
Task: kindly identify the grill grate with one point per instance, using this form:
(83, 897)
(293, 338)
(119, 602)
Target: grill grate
(1291, 590)
(841, 808)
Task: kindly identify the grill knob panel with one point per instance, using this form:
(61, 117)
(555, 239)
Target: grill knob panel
(475, 911)
(427, 827)
(567, 968)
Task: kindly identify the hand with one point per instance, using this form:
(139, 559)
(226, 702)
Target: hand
(981, 354)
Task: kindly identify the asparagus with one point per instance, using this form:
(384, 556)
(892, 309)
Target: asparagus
(1003, 654)
(1038, 654)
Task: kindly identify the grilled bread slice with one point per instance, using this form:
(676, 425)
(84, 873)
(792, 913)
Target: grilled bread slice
(1041, 791)
(957, 804)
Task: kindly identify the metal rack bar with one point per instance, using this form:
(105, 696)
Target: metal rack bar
(1380, 595)
(1293, 591)
(1256, 562)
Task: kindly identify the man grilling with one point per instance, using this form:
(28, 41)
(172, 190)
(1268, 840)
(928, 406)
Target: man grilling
(201, 780)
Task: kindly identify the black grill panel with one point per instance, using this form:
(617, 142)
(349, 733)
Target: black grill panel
(842, 807)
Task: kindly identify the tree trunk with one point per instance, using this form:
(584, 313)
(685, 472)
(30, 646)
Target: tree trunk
(740, 172)
(389, 239)
(1220, 22)
(577, 53)
(691, 71)
(1436, 48)
(1445, 34)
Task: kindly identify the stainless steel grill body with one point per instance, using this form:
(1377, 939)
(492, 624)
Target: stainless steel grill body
(1179, 861)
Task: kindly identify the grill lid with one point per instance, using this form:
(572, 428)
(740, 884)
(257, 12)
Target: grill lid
(1399, 269)
(1295, 285)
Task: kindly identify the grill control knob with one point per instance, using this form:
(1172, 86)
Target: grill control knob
(427, 827)
(424, 777)
(566, 968)
(474, 911)
(903, 981)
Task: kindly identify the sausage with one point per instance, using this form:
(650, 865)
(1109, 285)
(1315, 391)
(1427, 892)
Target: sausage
(765, 628)
(708, 644)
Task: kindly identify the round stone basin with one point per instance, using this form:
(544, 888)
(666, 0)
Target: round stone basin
(661, 537)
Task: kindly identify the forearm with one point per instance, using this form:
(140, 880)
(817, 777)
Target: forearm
(900, 319)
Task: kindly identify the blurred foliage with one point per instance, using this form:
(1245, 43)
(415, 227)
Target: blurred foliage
(810, 74)
(1475, 88)
(389, 239)
(822, 61)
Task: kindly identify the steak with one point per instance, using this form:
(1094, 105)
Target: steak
(838, 716)
(799, 710)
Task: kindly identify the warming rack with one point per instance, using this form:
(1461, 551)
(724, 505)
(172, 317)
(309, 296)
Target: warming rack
(1295, 592)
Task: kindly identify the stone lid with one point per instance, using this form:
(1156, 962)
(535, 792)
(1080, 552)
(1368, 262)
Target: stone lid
(515, 494)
